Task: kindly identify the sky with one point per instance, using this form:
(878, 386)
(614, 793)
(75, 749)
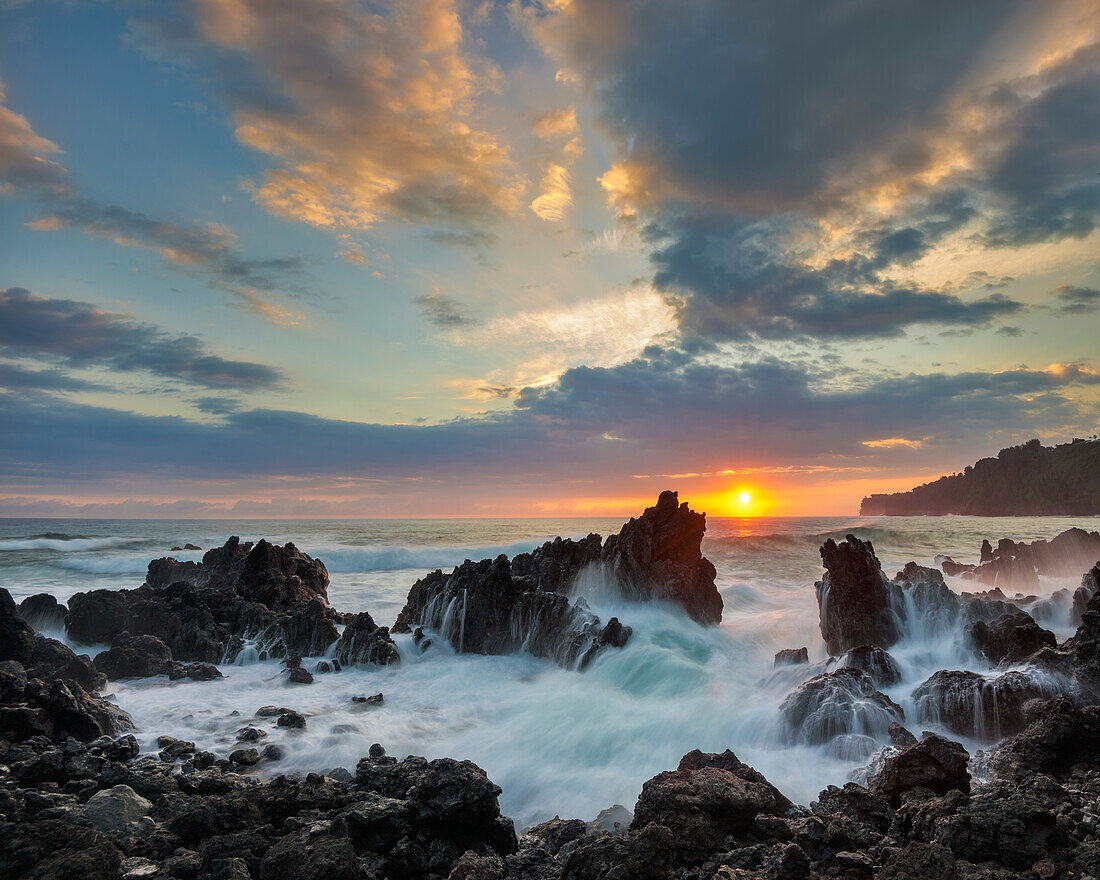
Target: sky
(439, 258)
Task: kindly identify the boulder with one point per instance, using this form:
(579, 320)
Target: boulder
(987, 708)
(792, 657)
(43, 612)
(835, 704)
(363, 641)
(854, 597)
(1060, 737)
(134, 657)
(1010, 638)
(707, 800)
(114, 808)
(934, 763)
(877, 663)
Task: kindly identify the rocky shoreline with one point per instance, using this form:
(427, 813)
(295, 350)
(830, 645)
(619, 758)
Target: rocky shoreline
(78, 799)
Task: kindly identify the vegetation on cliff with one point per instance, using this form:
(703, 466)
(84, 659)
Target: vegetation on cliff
(1027, 480)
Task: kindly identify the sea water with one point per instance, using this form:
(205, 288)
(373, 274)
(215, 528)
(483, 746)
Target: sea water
(556, 741)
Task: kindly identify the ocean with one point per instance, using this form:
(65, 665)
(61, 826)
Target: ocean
(556, 741)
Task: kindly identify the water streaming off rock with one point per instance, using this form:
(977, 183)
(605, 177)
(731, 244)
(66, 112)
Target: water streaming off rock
(556, 740)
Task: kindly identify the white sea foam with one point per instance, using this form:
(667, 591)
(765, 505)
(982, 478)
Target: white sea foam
(556, 741)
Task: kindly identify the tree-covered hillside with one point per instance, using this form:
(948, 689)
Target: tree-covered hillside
(1027, 480)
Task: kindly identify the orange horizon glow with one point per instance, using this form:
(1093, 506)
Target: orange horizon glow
(777, 496)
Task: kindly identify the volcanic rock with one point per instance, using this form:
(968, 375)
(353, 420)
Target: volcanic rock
(500, 606)
(1011, 638)
(204, 611)
(854, 597)
(1060, 737)
(483, 608)
(43, 612)
(134, 657)
(835, 704)
(969, 704)
(792, 657)
(363, 641)
(658, 556)
(114, 808)
(708, 799)
(934, 763)
(878, 664)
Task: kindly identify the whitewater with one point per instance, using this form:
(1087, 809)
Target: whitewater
(557, 741)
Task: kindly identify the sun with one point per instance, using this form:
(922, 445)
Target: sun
(744, 498)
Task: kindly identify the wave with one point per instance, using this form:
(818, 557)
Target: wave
(398, 557)
(756, 542)
(62, 544)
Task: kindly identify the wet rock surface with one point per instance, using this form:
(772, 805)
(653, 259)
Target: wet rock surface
(204, 612)
(854, 597)
(834, 704)
(499, 606)
(79, 800)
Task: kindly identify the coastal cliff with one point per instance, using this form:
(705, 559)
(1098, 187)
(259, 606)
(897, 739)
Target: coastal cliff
(1026, 480)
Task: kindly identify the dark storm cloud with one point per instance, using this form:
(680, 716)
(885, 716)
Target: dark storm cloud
(82, 335)
(1077, 300)
(763, 104)
(739, 286)
(1049, 175)
(748, 129)
(591, 423)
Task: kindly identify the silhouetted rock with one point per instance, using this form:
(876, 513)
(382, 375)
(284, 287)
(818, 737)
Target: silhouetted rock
(658, 556)
(853, 598)
(43, 612)
(835, 704)
(934, 763)
(484, 608)
(1011, 638)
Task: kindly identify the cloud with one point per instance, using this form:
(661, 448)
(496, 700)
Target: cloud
(25, 155)
(16, 379)
(668, 413)
(366, 111)
(1077, 300)
(555, 194)
(205, 248)
(557, 123)
(443, 311)
(772, 216)
(82, 335)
